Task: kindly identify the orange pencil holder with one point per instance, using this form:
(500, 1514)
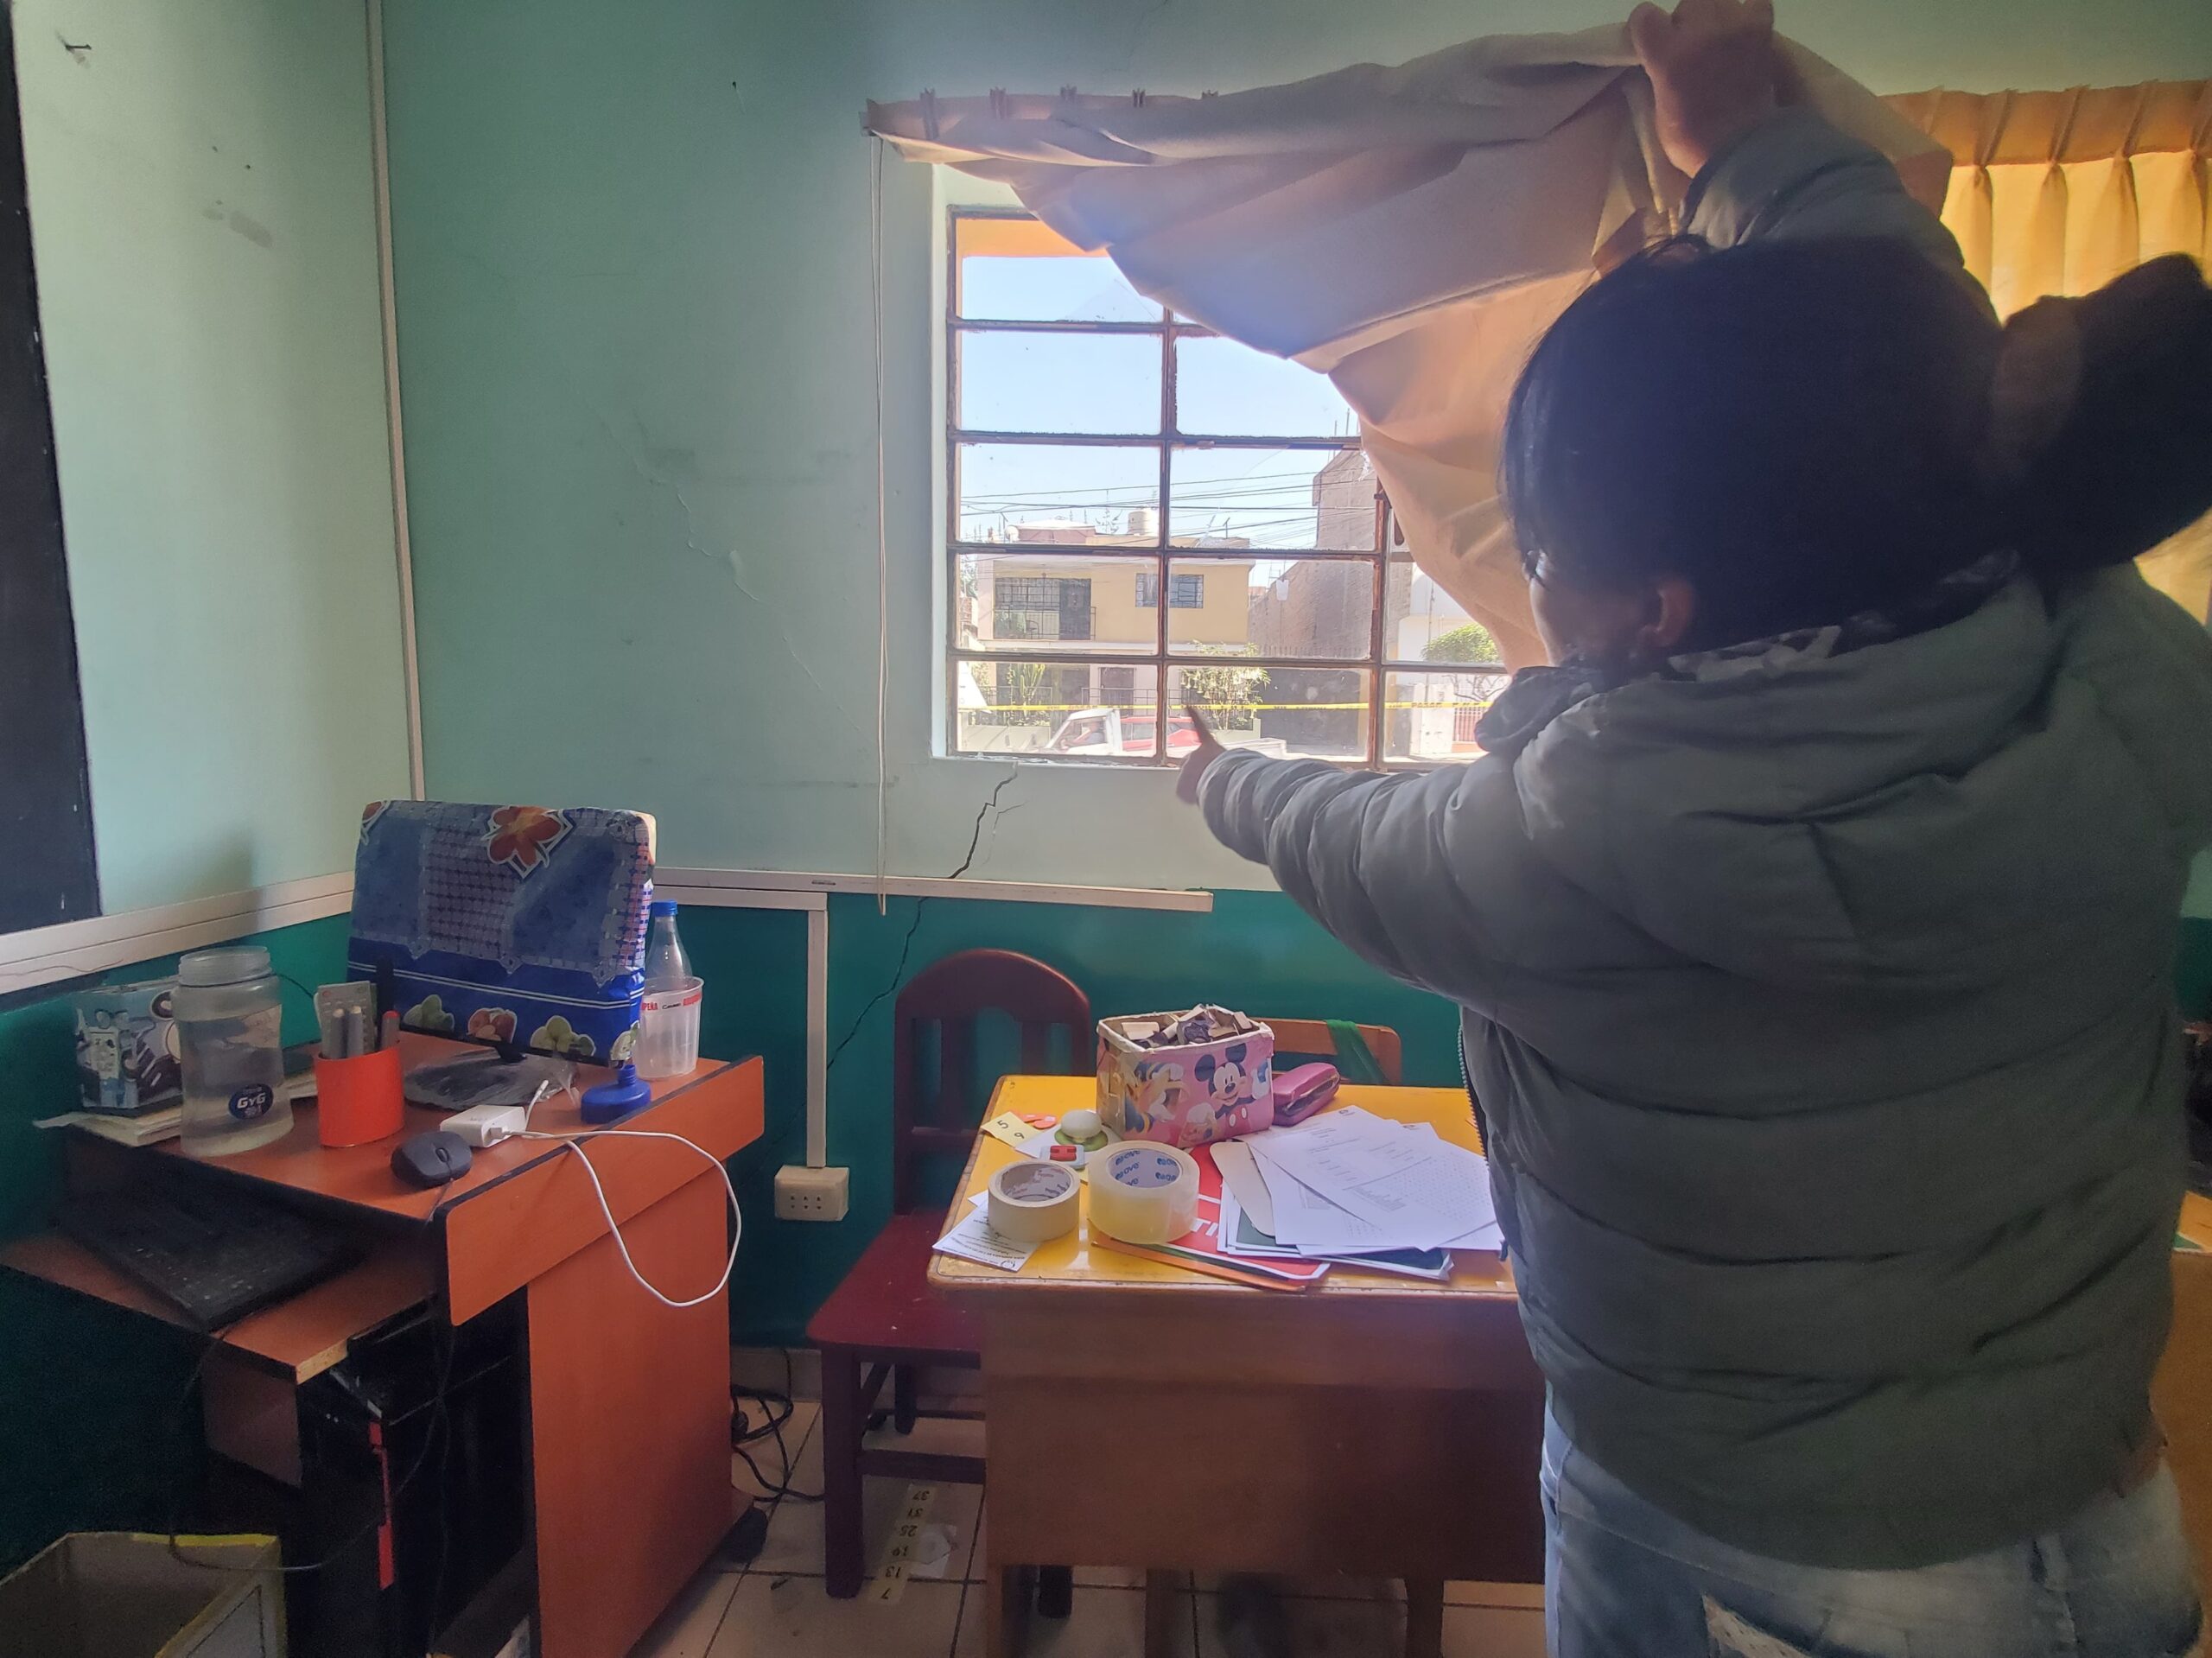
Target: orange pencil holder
(359, 1099)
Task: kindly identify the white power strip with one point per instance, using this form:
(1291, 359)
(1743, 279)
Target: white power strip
(805, 1194)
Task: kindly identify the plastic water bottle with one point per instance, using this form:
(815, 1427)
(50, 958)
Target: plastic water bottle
(230, 1048)
(666, 965)
(668, 1027)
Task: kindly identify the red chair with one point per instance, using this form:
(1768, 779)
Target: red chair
(884, 1320)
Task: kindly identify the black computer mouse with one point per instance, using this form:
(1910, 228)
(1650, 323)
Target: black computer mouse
(431, 1158)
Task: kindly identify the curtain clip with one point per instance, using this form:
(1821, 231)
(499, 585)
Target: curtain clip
(929, 114)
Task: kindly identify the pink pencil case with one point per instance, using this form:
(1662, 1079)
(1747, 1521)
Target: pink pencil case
(1303, 1089)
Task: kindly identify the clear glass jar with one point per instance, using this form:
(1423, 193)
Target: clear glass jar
(229, 1020)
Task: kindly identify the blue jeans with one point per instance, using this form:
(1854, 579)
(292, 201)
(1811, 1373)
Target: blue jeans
(1621, 1580)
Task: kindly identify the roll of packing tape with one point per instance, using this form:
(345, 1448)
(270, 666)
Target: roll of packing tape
(1141, 1192)
(1033, 1202)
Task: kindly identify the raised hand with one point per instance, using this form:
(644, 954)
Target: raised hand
(1714, 72)
(1195, 763)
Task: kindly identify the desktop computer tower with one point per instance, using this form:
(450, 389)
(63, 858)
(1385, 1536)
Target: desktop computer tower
(414, 1486)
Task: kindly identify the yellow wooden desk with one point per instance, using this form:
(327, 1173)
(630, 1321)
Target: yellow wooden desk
(1143, 1415)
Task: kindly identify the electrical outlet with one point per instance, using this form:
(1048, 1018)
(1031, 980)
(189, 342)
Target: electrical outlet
(805, 1194)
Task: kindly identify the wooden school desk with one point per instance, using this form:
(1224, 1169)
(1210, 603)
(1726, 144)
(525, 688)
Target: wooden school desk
(629, 1399)
(1142, 1415)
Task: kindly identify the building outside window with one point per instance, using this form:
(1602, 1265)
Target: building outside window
(1139, 511)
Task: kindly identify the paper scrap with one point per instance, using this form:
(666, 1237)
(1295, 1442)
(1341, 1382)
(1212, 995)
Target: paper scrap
(974, 1239)
(1009, 1127)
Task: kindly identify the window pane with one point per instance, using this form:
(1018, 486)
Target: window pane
(1059, 383)
(1310, 608)
(1055, 494)
(1227, 390)
(1423, 623)
(1432, 717)
(1025, 603)
(1189, 592)
(1273, 498)
(1020, 270)
(1305, 711)
(1049, 710)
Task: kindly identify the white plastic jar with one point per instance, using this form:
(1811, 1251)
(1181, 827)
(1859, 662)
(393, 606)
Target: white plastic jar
(229, 1021)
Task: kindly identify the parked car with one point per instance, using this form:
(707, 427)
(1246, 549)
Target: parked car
(1122, 731)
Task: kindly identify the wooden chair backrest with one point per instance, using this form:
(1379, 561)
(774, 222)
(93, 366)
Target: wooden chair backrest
(951, 994)
(1312, 1036)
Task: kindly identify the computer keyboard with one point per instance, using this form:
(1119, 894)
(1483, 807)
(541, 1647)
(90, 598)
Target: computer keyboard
(217, 1254)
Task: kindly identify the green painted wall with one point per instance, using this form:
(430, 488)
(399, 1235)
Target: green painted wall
(632, 246)
(93, 1434)
(202, 216)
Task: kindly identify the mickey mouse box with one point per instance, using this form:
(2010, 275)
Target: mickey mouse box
(1187, 1078)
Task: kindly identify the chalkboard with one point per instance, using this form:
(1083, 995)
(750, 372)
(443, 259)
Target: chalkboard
(47, 870)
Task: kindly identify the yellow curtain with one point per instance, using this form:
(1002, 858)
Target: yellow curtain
(2060, 192)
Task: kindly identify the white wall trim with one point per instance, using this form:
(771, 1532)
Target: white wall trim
(672, 883)
(74, 948)
(1196, 900)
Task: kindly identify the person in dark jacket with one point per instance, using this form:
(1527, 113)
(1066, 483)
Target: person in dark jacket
(1813, 915)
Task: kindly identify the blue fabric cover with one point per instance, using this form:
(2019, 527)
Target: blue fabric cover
(506, 923)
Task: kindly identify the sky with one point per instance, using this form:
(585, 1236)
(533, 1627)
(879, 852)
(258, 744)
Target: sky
(1023, 382)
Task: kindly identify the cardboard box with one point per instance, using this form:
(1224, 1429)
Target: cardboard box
(111, 1594)
(1186, 1094)
(126, 1047)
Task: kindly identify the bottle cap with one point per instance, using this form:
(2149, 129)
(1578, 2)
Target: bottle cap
(664, 906)
(627, 1092)
(234, 965)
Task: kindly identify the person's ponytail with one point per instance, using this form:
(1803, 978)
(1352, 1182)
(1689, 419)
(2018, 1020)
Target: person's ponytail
(2100, 440)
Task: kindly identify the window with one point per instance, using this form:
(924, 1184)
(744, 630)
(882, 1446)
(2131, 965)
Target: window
(1184, 592)
(1139, 510)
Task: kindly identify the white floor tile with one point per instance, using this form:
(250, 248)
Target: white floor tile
(794, 1544)
(790, 1617)
(768, 1454)
(1086, 1577)
(687, 1630)
(1492, 1632)
(1100, 1624)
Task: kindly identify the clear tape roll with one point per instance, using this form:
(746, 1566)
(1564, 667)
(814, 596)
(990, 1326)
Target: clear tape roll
(1033, 1202)
(1143, 1192)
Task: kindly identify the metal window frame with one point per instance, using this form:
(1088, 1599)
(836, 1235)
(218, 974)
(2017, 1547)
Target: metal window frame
(1374, 666)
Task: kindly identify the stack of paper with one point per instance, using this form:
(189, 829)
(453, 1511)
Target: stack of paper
(1353, 1186)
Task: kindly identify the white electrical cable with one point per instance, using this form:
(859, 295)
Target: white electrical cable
(737, 1215)
(882, 536)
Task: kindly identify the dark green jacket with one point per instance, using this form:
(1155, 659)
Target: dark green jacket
(1819, 1007)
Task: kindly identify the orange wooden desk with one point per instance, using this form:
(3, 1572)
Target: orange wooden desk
(629, 1399)
(1144, 1415)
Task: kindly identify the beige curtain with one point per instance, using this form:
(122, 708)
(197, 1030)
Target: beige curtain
(1408, 231)
(2058, 192)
